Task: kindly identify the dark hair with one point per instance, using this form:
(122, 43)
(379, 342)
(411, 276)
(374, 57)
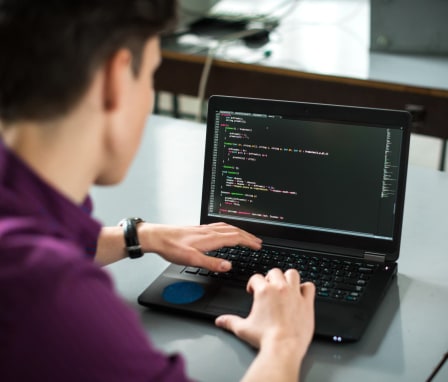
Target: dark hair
(51, 48)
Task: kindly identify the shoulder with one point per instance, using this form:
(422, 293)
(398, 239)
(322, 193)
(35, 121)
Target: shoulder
(57, 304)
(40, 271)
(30, 256)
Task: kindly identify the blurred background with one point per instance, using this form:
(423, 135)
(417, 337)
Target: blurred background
(376, 53)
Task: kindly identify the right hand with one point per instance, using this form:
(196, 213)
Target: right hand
(187, 245)
(283, 310)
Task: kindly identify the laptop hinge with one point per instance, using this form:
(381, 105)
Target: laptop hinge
(375, 257)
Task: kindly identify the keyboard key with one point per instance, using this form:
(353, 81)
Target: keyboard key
(334, 279)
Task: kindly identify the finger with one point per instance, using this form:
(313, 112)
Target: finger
(275, 275)
(292, 276)
(236, 236)
(308, 290)
(255, 282)
(252, 242)
(229, 322)
(224, 227)
(211, 263)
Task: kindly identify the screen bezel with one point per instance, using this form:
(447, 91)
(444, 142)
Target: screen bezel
(393, 119)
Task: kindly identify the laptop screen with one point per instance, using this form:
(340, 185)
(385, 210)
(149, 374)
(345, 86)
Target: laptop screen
(322, 170)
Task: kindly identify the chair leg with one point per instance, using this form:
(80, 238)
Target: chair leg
(443, 156)
(175, 105)
(156, 103)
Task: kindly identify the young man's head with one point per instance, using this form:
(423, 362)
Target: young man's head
(86, 66)
(52, 48)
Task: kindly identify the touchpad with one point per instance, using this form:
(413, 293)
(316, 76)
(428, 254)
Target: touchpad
(183, 292)
(231, 300)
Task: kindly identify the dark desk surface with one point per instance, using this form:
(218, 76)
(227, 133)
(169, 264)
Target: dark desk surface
(318, 53)
(407, 337)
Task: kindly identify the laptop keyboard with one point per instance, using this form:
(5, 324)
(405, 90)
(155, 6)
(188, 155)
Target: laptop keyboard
(334, 279)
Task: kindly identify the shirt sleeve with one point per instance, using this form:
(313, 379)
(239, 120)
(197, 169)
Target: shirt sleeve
(84, 332)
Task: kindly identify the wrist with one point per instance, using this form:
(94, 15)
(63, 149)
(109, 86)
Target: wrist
(132, 248)
(285, 347)
(284, 358)
(147, 233)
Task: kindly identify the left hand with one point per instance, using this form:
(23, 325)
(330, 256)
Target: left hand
(187, 245)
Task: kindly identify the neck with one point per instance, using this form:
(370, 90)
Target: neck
(61, 152)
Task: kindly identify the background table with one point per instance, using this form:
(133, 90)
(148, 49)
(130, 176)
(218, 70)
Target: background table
(320, 52)
(404, 342)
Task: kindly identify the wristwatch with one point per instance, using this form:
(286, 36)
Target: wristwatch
(133, 247)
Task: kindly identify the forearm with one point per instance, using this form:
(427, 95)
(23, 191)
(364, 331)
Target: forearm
(278, 362)
(180, 245)
(111, 245)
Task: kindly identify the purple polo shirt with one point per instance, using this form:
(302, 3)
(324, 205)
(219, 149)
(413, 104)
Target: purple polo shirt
(60, 318)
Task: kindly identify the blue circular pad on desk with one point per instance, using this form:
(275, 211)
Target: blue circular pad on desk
(183, 292)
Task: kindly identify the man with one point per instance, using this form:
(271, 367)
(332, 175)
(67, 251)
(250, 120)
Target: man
(75, 90)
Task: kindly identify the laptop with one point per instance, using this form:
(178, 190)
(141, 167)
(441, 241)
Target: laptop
(322, 185)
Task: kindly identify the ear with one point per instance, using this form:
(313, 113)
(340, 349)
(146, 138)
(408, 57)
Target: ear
(116, 75)
(117, 72)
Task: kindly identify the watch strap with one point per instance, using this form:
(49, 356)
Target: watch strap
(133, 247)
